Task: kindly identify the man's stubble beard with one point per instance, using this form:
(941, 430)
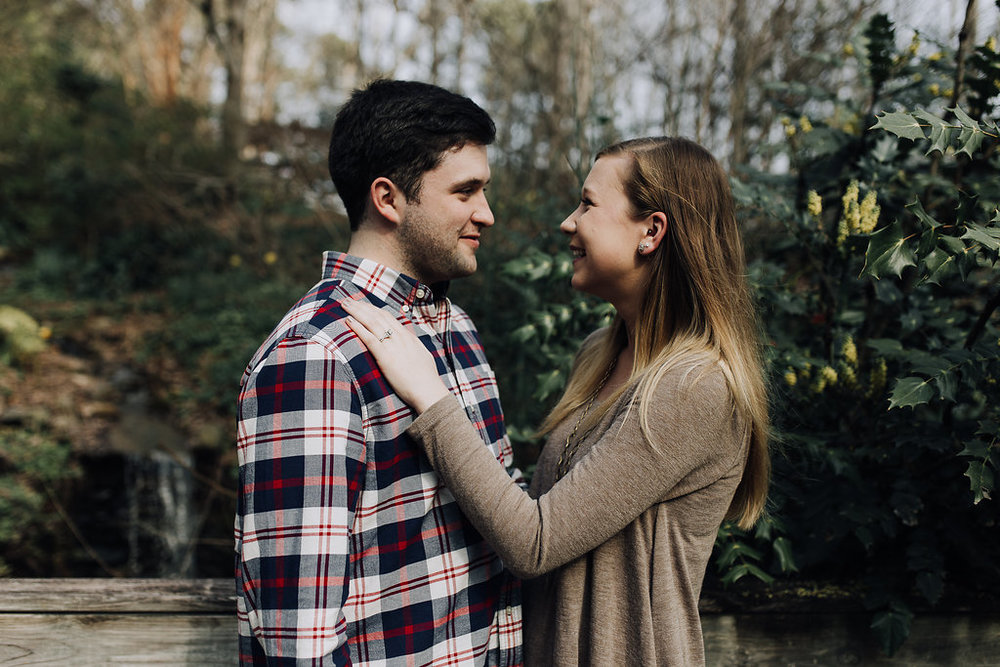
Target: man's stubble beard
(431, 257)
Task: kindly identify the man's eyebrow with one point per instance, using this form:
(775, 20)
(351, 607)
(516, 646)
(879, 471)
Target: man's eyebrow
(470, 183)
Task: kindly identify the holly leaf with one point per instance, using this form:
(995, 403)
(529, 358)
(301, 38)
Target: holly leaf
(888, 253)
(548, 384)
(922, 215)
(887, 347)
(942, 133)
(930, 585)
(910, 392)
(783, 548)
(892, 627)
(939, 264)
(980, 480)
(901, 124)
(990, 238)
(965, 119)
(971, 140)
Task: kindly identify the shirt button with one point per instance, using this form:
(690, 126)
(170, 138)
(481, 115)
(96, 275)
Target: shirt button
(421, 293)
(404, 308)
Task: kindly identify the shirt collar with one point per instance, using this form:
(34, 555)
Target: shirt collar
(389, 285)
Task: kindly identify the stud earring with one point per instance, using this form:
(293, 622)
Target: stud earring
(643, 247)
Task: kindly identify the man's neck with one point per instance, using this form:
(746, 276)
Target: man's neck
(378, 246)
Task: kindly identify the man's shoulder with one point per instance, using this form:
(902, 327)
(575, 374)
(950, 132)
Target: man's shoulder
(317, 321)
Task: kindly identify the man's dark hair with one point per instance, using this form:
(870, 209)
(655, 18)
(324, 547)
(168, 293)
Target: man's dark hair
(399, 130)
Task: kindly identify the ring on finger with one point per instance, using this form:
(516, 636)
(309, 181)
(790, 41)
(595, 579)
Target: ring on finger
(386, 335)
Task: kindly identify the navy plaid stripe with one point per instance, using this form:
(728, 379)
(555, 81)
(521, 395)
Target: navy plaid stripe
(348, 547)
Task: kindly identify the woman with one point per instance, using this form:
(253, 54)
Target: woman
(660, 435)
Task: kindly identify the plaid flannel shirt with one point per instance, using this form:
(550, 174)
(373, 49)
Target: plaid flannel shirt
(348, 548)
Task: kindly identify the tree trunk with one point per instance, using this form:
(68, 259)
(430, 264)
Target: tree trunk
(233, 125)
(739, 86)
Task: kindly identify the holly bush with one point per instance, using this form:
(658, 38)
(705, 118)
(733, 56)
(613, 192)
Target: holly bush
(879, 289)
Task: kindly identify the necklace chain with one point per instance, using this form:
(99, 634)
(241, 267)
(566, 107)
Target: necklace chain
(569, 451)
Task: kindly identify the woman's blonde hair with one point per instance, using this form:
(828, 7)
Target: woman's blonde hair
(697, 303)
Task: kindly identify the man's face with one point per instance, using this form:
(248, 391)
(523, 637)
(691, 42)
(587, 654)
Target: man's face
(439, 234)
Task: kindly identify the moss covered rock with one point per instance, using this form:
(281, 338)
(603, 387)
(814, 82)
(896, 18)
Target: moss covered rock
(20, 335)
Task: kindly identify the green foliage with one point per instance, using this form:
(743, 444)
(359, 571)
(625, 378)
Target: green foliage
(218, 321)
(739, 553)
(94, 183)
(880, 300)
(34, 468)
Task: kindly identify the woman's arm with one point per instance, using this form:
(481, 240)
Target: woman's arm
(618, 479)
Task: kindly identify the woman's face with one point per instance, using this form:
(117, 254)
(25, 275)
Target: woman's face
(604, 237)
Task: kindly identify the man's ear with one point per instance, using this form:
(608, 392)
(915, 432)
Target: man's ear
(656, 229)
(387, 200)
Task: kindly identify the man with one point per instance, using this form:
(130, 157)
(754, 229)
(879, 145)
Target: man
(349, 549)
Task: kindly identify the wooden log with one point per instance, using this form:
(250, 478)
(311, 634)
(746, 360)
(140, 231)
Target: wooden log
(118, 595)
(117, 622)
(117, 639)
(193, 622)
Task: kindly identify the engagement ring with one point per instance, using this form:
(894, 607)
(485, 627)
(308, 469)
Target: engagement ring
(387, 335)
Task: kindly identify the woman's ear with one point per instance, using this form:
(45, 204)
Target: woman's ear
(656, 228)
(387, 200)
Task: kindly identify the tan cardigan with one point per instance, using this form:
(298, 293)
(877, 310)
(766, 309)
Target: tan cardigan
(614, 554)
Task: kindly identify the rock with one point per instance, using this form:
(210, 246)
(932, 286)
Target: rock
(99, 410)
(20, 335)
(212, 435)
(18, 415)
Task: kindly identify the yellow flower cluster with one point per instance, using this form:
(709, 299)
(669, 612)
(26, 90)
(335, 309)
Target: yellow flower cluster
(878, 378)
(791, 379)
(870, 210)
(914, 45)
(827, 377)
(857, 218)
(848, 49)
(789, 126)
(991, 43)
(804, 124)
(850, 218)
(849, 351)
(934, 89)
(814, 204)
(849, 365)
(936, 56)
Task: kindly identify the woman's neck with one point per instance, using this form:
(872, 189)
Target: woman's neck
(620, 373)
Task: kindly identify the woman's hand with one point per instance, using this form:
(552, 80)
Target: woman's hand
(402, 358)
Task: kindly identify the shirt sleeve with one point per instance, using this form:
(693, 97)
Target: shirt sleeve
(301, 451)
(621, 476)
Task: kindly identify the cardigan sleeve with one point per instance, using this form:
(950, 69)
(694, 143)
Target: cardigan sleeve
(693, 432)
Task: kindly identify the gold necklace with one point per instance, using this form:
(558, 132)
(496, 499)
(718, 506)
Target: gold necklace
(567, 453)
